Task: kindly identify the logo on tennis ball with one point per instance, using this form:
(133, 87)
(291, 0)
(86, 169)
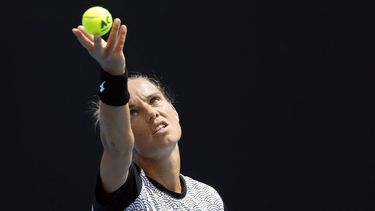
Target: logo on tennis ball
(97, 20)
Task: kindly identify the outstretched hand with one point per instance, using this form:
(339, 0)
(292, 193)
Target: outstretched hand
(108, 54)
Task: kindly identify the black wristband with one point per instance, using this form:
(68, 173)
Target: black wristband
(113, 89)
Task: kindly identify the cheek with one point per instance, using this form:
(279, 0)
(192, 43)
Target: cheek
(137, 130)
(174, 120)
(175, 117)
(141, 141)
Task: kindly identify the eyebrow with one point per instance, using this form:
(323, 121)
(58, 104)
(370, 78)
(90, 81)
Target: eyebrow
(153, 94)
(148, 97)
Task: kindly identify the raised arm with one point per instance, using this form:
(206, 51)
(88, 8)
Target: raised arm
(115, 129)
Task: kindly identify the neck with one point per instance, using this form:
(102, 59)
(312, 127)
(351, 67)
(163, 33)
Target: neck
(165, 170)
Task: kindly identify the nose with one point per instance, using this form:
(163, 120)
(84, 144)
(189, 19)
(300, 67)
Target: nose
(151, 113)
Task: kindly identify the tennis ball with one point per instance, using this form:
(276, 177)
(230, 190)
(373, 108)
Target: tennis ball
(97, 20)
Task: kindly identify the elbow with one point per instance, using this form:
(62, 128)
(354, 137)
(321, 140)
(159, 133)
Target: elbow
(117, 144)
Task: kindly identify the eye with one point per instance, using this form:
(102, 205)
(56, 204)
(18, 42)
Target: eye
(155, 100)
(133, 113)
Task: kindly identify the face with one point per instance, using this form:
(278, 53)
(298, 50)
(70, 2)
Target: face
(154, 120)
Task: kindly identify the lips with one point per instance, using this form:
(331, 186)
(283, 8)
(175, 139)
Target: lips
(159, 126)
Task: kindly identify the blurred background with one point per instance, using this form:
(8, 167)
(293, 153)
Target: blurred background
(275, 100)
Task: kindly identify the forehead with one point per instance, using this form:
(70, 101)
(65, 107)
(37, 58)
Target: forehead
(141, 88)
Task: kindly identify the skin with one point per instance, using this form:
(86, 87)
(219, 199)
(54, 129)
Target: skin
(148, 106)
(158, 153)
(127, 131)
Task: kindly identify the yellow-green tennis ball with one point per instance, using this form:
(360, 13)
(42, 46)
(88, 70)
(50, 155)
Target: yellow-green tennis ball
(97, 20)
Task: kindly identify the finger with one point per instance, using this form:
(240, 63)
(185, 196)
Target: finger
(112, 39)
(83, 40)
(85, 33)
(122, 37)
(98, 44)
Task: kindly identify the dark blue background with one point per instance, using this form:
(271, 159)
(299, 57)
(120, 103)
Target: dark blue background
(275, 100)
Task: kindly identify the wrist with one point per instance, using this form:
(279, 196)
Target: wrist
(114, 71)
(113, 89)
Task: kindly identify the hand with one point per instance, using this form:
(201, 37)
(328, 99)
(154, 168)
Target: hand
(108, 54)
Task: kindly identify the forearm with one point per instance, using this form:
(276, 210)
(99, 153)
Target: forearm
(115, 129)
(118, 141)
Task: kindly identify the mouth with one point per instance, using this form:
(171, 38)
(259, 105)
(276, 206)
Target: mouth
(160, 126)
